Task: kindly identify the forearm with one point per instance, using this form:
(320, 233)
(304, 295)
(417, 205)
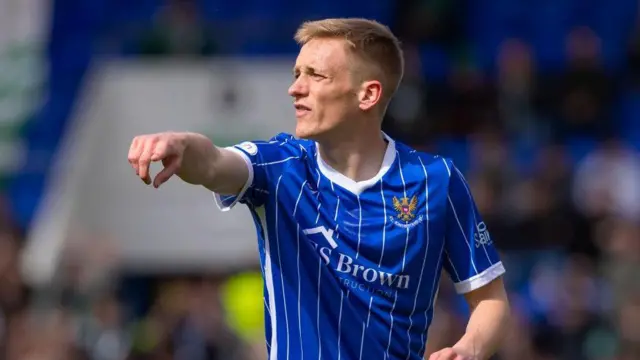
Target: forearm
(215, 168)
(486, 328)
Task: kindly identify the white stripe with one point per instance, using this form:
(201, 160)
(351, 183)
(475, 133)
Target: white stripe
(335, 218)
(369, 313)
(299, 285)
(266, 305)
(447, 166)
(295, 209)
(319, 278)
(455, 214)
(475, 219)
(436, 279)
(424, 259)
(460, 225)
(395, 298)
(362, 340)
(318, 211)
(277, 162)
(340, 324)
(453, 267)
(273, 353)
(284, 298)
(404, 190)
(359, 225)
(365, 326)
(318, 308)
(384, 229)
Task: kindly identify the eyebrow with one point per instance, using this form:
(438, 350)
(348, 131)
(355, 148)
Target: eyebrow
(307, 68)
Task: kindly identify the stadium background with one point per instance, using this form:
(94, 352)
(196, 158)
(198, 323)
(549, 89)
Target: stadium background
(537, 101)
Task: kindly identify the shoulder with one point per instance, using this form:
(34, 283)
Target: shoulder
(293, 144)
(431, 165)
(282, 144)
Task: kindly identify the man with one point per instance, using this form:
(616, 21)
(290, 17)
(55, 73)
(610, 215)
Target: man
(353, 227)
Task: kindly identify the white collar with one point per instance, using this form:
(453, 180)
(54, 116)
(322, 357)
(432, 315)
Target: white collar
(357, 187)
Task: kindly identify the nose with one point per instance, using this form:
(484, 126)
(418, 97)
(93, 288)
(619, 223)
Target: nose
(298, 88)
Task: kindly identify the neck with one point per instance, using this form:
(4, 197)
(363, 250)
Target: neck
(358, 157)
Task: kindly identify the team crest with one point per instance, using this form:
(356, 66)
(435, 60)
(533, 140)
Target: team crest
(406, 209)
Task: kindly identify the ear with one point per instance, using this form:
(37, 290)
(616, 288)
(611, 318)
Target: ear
(370, 94)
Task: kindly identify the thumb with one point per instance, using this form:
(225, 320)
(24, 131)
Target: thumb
(170, 168)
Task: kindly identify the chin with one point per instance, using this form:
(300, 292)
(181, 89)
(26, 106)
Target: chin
(308, 133)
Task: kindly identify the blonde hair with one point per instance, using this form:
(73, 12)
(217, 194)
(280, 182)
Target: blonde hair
(370, 41)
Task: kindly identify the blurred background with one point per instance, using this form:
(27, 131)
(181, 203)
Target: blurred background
(538, 102)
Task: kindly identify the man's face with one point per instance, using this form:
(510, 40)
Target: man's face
(324, 93)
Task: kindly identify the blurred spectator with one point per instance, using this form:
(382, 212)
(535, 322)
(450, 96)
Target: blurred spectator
(581, 97)
(178, 30)
(518, 91)
(471, 101)
(426, 21)
(607, 182)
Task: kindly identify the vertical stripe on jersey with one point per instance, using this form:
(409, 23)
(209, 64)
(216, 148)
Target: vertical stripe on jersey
(404, 191)
(268, 274)
(393, 307)
(284, 298)
(365, 326)
(432, 300)
(319, 278)
(473, 263)
(424, 258)
(464, 235)
(384, 228)
(395, 299)
(359, 225)
(475, 219)
(318, 315)
(335, 219)
(295, 209)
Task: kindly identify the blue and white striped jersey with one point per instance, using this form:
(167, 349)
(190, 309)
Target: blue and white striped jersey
(351, 269)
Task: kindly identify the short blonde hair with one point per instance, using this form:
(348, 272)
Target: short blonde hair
(371, 41)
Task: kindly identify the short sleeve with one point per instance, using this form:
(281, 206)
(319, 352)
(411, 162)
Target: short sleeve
(265, 161)
(471, 258)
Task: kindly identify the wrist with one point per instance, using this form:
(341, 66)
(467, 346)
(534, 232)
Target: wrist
(469, 346)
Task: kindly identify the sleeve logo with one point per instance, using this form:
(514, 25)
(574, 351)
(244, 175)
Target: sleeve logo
(249, 147)
(482, 237)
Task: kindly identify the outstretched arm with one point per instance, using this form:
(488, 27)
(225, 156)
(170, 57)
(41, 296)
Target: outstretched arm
(190, 156)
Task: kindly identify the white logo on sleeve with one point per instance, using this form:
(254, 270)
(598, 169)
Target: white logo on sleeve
(249, 147)
(482, 236)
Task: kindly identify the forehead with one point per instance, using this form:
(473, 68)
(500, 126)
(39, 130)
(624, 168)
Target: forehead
(324, 54)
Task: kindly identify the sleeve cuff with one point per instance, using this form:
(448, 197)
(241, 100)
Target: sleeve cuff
(480, 280)
(224, 204)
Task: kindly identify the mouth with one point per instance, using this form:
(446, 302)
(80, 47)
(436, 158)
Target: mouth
(301, 109)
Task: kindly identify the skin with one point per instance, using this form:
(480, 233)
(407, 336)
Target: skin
(342, 111)
(336, 110)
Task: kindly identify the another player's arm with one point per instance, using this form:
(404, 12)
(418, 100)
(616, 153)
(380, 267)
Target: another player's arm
(193, 157)
(475, 267)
